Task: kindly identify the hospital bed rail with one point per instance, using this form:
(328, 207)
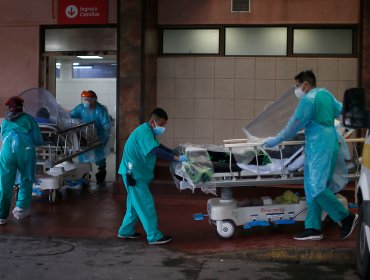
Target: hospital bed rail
(66, 144)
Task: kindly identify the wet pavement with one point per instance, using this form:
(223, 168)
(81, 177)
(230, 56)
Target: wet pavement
(87, 219)
(60, 258)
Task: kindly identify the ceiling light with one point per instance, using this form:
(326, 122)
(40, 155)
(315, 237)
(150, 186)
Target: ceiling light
(82, 67)
(90, 57)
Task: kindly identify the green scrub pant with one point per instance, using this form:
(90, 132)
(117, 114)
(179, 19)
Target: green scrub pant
(140, 205)
(324, 201)
(23, 160)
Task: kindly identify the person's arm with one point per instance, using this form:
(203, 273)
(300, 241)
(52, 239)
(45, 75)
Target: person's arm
(163, 153)
(75, 112)
(302, 115)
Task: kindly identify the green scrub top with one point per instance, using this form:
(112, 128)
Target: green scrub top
(137, 151)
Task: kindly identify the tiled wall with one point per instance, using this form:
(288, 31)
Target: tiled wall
(209, 99)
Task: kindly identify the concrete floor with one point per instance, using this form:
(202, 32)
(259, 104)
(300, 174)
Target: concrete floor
(97, 211)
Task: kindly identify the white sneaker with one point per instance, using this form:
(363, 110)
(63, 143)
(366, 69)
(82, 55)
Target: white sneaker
(2, 221)
(20, 213)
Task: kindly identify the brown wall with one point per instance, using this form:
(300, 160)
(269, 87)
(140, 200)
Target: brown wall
(366, 49)
(20, 39)
(262, 12)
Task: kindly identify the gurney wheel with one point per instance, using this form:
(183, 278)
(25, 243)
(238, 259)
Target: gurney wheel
(225, 228)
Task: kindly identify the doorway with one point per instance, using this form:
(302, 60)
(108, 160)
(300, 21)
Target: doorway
(78, 59)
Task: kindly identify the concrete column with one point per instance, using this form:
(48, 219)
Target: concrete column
(136, 94)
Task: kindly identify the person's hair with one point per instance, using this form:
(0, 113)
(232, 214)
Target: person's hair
(307, 76)
(43, 113)
(159, 113)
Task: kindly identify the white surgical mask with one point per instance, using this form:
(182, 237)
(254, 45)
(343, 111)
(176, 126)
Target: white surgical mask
(158, 130)
(86, 104)
(299, 92)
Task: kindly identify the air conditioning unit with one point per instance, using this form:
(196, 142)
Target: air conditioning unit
(240, 6)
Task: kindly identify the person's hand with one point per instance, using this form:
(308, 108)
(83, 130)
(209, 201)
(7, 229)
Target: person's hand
(270, 142)
(183, 158)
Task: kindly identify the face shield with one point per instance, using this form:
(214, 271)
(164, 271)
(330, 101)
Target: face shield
(88, 102)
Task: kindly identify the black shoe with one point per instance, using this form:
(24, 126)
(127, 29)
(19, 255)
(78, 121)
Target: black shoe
(348, 225)
(134, 236)
(309, 234)
(100, 176)
(163, 240)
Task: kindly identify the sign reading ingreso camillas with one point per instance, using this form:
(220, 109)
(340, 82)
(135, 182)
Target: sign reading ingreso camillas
(82, 12)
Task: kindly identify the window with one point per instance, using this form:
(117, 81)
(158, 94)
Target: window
(256, 41)
(322, 41)
(190, 41)
(94, 70)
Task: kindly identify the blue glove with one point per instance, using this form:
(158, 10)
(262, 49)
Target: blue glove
(270, 142)
(183, 158)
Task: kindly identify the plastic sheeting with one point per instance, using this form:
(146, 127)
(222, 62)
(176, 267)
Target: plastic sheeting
(37, 99)
(274, 117)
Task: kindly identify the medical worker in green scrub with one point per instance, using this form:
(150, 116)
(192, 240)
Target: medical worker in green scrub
(315, 113)
(20, 134)
(137, 169)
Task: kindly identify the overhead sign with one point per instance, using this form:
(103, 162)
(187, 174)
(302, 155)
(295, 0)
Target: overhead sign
(82, 12)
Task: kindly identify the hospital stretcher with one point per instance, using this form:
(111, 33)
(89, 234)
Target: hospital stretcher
(55, 165)
(225, 212)
(65, 139)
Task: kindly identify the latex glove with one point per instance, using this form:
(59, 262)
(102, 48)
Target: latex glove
(183, 158)
(270, 142)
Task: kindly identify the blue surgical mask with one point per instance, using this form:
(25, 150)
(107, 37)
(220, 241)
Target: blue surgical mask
(158, 130)
(86, 104)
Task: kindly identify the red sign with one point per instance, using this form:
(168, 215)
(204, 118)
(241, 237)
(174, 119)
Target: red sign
(82, 12)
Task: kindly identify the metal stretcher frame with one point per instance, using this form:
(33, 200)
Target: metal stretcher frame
(283, 177)
(67, 143)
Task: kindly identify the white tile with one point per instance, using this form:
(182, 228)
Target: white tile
(204, 88)
(167, 104)
(265, 68)
(184, 88)
(165, 88)
(245, 68)
(205, 67)
(224, 88)
(165, 67)
(184, 108)
(265, 89)
(184, 68)
(304, 64)
(286, 68)
(224, 109)
(203, 128)
(223, 129)
(328, 69)
(348, 69)
(203, 108)
(184, 128)
(224, 67)
(245, 89)
(244, 109)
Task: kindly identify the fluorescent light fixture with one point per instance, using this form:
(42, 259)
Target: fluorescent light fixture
(90, 57)
(75, 63)
(82, 67)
